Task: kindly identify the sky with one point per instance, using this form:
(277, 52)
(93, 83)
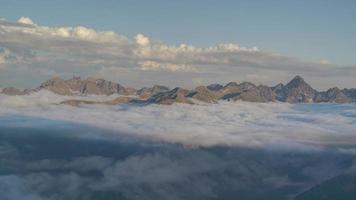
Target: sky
(316, 39)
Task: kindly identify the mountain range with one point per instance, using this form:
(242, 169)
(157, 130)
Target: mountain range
(295, 91)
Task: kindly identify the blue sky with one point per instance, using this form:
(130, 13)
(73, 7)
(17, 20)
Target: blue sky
(307, 29)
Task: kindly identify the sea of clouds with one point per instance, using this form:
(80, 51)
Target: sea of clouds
(224, 150)
(272, 125)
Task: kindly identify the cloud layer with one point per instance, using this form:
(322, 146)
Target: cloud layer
(68, 167)
(269, 125)
(215, 151)
(41, 52)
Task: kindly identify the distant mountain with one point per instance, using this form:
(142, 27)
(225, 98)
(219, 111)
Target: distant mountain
(177, 95)
(205, 94)
(149, 91)
(12, 91)
(295, 91)
(87, 86)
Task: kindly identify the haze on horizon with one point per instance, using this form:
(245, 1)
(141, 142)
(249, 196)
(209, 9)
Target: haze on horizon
(178, 43)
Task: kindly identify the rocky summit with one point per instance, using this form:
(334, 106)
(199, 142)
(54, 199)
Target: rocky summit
(295, 91)
(76, 85)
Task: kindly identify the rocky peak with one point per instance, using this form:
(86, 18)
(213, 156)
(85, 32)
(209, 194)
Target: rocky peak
(231, 87)
(231, 84)
(176, 95)
(350, 93)
(250, 92)
(76, 85)
(246, 86)
(334, 95)
(296, 82)
(203, 93)
(337, 96)
(100, 87)
(277, 87)
(296, 91)
(147, 92)
(12, 91)
(215, 87)
(50, 82)
(57, 85)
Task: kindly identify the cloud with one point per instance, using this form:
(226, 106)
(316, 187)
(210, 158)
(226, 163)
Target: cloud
(153, 65)
(170, 172)
(8, 151)
(79, 164)
(142, 40)
(43, 51)
(2, 59)
(347, 150)
(12, 187)
(277, 126)
(26, 20)
(73, 165)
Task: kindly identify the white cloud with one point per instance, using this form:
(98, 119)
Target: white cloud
(142, 40)
(153, 65)
(51, 33)
(7, 57)
(25, 20)
(270, 125)
(84, 51)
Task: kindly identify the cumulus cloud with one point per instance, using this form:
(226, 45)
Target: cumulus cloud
(142, 40)
(25, 20)
(43, 51)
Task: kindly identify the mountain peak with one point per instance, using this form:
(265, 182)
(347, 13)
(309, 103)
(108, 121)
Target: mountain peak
(297, 80)
(297, 77)
(296, 91)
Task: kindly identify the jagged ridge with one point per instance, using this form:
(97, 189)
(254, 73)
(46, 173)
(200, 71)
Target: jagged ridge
(295, 91)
